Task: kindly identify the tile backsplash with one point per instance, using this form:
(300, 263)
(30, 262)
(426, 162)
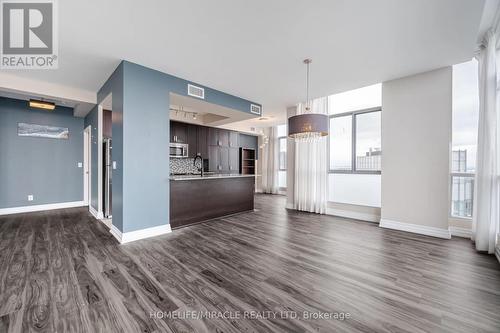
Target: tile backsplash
(184, 165)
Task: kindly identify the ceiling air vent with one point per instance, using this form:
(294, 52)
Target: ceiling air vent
(255, 109)
(196, 91)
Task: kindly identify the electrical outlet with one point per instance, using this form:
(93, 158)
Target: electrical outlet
(80, 164)
(30, 197)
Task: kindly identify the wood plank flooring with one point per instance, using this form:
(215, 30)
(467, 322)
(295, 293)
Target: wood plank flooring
(262, 271)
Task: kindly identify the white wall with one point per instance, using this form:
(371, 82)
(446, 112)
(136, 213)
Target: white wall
(416, 138)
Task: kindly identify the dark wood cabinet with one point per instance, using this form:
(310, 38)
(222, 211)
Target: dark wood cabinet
(218, 137)
(202, 141)
(213, 158)
(233, 139)
(223, 138)
(192, 140)
(211, 198)
(178, 132)
(221, 147)
(234, 160)
(213, 136)
(224, 160)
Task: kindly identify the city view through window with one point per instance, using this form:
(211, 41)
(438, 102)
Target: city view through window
(464, 137)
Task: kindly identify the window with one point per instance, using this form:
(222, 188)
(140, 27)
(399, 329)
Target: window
(341, 143)
(357, 99)
(282, 142)
(368, 142)
(358, 150)
(355, 146)
(464, 137)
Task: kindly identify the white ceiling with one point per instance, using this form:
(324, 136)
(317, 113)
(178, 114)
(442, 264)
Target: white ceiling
(254, 49)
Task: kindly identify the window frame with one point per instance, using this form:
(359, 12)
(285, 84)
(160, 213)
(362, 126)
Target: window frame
(279, 140)
(353, 115)
(463, 175)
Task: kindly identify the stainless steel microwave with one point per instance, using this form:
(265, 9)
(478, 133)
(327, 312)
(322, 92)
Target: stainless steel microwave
(178, 150)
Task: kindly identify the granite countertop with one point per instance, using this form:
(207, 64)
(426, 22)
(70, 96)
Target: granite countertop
(208, 176)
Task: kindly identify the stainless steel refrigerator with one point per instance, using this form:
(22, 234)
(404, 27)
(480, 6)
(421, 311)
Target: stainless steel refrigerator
(108, 171)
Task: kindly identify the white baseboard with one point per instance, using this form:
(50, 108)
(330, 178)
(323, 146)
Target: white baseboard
(460, 232)
(95, 213)
(353, 215)
(415, 228)
(131, 236)
(38, 208)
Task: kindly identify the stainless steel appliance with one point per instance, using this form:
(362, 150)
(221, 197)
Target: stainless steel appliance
(108, 163)
(178, 150)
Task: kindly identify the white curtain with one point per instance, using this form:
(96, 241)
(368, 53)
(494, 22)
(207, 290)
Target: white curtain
(270, 162)
(311, 174)
(486, 213)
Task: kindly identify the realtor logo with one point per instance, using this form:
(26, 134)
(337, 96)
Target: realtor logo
(29, 34)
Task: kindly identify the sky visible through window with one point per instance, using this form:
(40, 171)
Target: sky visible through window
(367, 129)
(465, 114)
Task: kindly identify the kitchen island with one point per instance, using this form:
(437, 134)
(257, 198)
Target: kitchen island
(195, 199)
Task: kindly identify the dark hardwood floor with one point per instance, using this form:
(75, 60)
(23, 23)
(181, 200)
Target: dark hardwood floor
(62, 271)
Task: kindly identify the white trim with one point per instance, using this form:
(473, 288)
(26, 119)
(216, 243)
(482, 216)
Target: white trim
(100, 125)
(353, 215)
(87, 164)
(38, 208)
(415, 228)
(95, 213)
(107, 222)
(139, 234)
(460, 232)
(289, 206)
(116, 233)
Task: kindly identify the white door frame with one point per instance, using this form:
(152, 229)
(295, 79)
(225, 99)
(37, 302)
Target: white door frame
(87, 162)
(100, 161)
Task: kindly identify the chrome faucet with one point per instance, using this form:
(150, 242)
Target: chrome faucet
(194, 162)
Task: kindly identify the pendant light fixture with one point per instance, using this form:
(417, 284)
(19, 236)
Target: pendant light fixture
(308, 126)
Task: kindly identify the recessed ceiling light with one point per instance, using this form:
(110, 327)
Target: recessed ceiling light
(41, 105)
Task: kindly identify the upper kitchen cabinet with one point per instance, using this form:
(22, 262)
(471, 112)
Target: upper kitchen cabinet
(192, 140)
(233, 139)
(202, 141)
(218, 137)
(178, 132)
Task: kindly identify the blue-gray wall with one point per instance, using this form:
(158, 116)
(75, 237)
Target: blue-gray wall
(114, 86)
(92, 120)
(141, 104)
(46, 168)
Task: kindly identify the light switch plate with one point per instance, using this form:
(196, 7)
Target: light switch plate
(114, 165)
(30, 197)
(80, 164)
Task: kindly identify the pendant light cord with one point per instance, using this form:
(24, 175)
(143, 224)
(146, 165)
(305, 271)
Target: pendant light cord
(308, 102)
